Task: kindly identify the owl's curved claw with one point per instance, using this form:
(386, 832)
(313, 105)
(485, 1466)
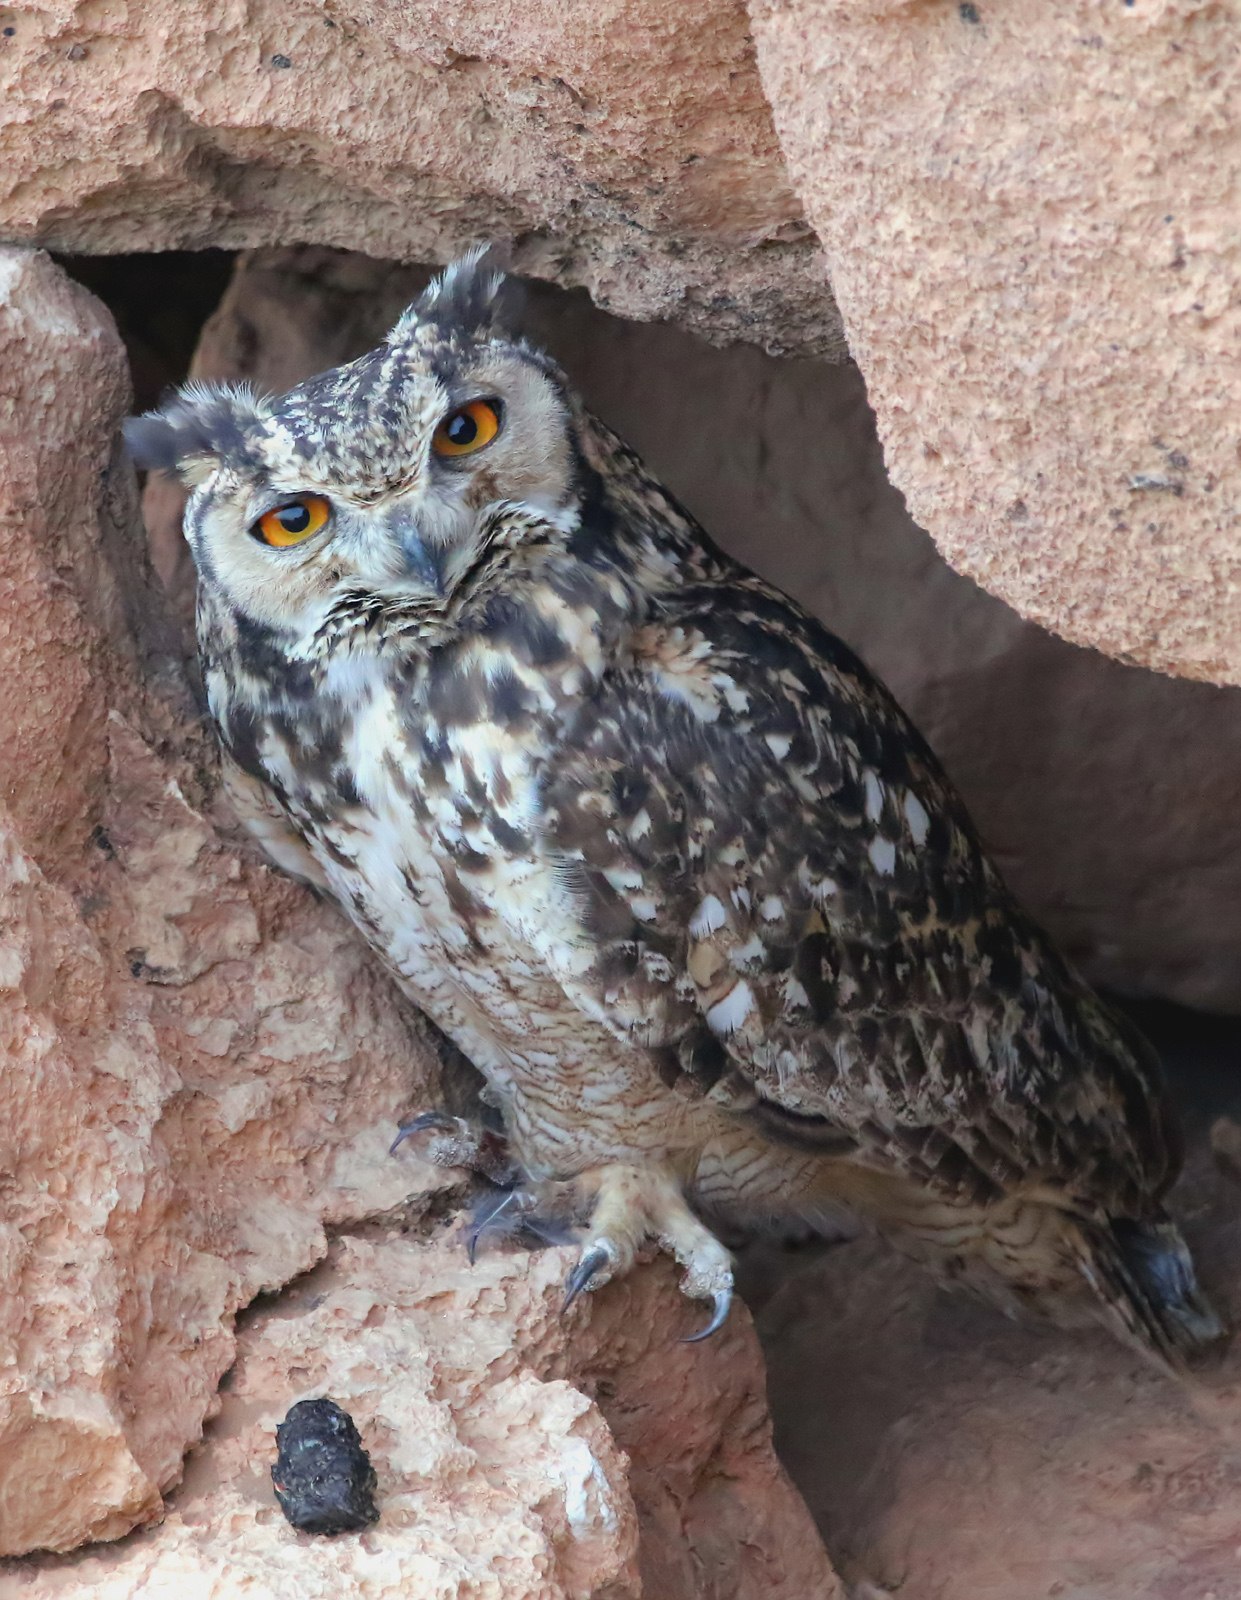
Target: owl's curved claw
(723, 1299)
(592, 1262)
(458, 1143)
(439, 1120)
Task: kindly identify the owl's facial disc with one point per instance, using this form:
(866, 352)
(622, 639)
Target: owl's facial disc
(374, 478)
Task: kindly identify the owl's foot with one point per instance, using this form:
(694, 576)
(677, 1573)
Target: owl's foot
(454, 1142)
(632, 1205)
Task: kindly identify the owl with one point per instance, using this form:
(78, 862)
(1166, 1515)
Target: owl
(650, 845)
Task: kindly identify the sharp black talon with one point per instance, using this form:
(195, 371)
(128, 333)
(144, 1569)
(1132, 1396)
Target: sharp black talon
(597, 1256)
(483, 1220)
(428, 1119)
(723, 1300)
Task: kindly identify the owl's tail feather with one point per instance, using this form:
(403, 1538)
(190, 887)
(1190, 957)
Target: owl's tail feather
(1143, 1275)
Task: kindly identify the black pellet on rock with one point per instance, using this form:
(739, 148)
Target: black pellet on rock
(323, 1477)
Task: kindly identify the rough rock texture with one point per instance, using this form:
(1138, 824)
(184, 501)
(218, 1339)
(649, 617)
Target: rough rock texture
(946, 1452)
(201, 1068)
(519, 1454)
(1029, 216)
(1108, 794)
(414, 131)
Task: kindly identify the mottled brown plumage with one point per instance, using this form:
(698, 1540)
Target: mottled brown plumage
(651, 845)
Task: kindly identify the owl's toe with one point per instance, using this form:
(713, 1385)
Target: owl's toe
(453, 1142)
(635, 1205)
(708, 1265)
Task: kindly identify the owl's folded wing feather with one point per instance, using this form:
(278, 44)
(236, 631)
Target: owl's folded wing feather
(793, 912)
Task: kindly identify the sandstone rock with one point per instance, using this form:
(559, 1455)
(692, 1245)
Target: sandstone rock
(947, 1452)
(1106, 793)
(610, 145)
(202, 1067)
(519, 1452)
(1025, 220)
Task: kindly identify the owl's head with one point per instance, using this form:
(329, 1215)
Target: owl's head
(374, 478)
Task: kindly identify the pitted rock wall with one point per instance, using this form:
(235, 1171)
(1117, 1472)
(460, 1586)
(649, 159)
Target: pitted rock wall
(608, 145)
(1030, 219)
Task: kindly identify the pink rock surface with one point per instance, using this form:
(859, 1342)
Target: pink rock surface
(610, 144)
(202, 1068)
(946, 1452)
(1030, 227)
(518, 1452)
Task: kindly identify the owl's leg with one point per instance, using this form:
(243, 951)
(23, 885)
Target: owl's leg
(633, 1205)
(454, 1142)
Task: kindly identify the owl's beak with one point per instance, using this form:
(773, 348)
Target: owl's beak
(418, 559)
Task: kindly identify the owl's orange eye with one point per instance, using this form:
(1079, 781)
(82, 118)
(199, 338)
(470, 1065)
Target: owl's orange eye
(293, 523)
(468, 429)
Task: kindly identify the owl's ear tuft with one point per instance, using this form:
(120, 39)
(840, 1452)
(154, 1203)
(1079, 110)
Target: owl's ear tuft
(472, 296)
(193, 428)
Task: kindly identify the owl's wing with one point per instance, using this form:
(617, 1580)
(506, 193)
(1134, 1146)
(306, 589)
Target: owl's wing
(793, 912)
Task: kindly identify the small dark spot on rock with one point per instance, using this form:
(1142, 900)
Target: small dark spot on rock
(968, 12)
(1178, 458)
(9, 32)
(77, 52)
(99, 838)
(323, 1478)
(1018, 511)
(281, 61)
